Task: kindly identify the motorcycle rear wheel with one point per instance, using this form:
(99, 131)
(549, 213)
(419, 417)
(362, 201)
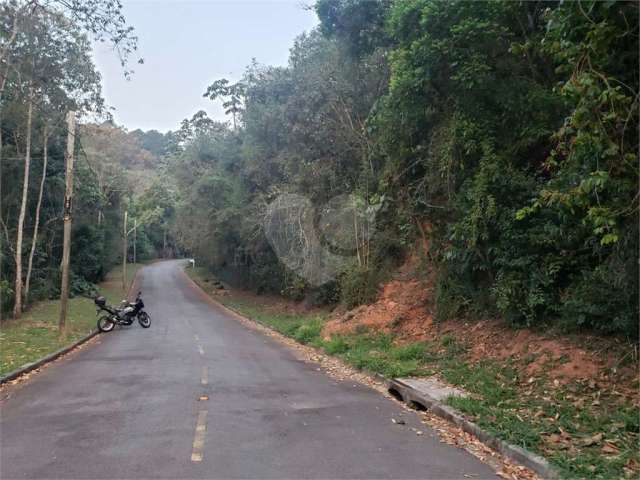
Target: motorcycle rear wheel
(106, 324)
(144, 320)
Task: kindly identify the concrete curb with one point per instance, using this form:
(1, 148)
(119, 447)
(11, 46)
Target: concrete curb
(58, 353)
(49, 358)
(415, 398)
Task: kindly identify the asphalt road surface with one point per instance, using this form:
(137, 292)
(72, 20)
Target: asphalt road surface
(132, 406)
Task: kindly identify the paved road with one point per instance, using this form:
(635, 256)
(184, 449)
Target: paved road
(129, 407)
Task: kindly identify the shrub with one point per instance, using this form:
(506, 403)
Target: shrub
(598, 300)
(309, 332)
(359, 285)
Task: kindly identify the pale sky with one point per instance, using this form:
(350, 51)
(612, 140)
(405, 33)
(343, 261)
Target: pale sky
(188, 44)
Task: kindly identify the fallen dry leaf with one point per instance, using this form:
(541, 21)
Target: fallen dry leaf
(610, 449)
(557, 441)
(632, 464)
(597, 438)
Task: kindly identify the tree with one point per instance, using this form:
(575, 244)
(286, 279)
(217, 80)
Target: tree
(17, 308)
(359, 25)
(50, 61)
(36, 225)
(232, 97)
(153, 141)
(103, 19)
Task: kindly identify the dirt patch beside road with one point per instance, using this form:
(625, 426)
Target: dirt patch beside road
(404, 308)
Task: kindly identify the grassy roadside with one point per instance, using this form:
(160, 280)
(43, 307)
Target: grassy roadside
(35, 335)
(586, 432)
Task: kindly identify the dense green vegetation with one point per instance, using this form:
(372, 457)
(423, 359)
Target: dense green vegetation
(504, 132)
(46, 69)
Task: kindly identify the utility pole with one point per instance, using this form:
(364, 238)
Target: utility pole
(164, 242)
(124, 252)
(135, 238)
(125, 245)
(68, 199)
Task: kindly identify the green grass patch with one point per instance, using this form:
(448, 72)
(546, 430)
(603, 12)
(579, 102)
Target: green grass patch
(304, 329)
(35, 335)
(379, 353)
(545, 418)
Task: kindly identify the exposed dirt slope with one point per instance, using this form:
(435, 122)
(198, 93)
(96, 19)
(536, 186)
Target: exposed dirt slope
(405, 308)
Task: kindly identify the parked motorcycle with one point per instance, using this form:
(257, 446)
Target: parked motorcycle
(124, 315)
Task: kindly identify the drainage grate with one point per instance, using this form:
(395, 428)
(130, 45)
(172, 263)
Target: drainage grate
(395, 393)
(418, 406)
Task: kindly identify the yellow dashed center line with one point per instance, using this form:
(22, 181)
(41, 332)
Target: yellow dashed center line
(198, 439)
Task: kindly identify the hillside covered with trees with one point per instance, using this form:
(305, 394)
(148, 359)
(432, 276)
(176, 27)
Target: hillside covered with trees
(504, 134)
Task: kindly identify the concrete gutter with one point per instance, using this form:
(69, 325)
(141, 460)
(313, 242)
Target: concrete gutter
(416, 394)
(49, 358)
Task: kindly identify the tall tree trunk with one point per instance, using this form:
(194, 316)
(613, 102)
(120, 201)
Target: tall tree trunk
(2, 249)
(2, 85)
(17, 307)
(37, 219)
(164, 243)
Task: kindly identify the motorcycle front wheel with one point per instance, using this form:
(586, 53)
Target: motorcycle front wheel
(144, 320)
(105, 323)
